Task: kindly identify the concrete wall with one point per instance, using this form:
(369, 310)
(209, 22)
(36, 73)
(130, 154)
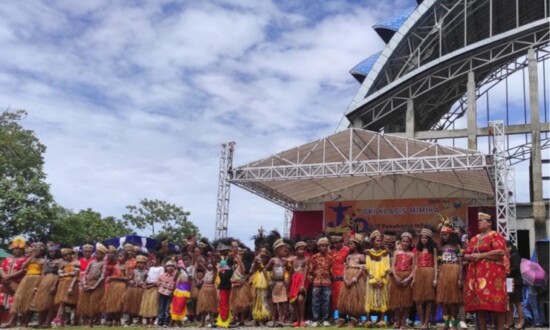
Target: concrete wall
(525, 221)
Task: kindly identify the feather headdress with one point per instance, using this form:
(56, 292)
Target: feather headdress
(445, 224)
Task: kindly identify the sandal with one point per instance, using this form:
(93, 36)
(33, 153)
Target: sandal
(368, 324)
(381, 324)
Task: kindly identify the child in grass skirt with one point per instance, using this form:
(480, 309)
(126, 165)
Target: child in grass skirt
(279, 283)
(425, 278)
(114, 294)
(241, 298)
(449, 285)
(150, 301)
(351, 302)
(207, 301)
(136, 288)
(91, 296)
(67, 289)
(43, 301)
(401, 299)
(26, 289)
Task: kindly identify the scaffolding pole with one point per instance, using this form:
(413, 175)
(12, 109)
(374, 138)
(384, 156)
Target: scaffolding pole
(504, 184)
(288, 223)
(222, 210)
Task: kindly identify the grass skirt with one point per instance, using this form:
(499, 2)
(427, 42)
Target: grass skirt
(207, 301)
(448, 291)
(43, 299)
(114, 297)
(351, 300)
(278, 293)
(423, 289)
(62, 295)
(149, 303)
(24, 294)
(132, 300)
(400, 296)
(89, 302)
(240, 298)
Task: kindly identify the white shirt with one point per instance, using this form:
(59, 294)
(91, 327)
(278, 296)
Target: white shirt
(154, 273)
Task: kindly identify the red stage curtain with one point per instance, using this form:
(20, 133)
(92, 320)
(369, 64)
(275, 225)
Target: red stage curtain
(306, 223)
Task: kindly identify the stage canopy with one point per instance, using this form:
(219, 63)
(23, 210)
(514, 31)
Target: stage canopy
(356, 164)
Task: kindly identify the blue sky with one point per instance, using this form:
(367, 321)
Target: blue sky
(133, 98)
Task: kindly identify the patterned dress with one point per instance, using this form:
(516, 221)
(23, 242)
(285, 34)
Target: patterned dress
(485, 287)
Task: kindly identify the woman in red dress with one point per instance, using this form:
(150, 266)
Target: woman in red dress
(485, 287)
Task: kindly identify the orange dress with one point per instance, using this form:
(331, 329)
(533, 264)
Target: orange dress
(485, 286)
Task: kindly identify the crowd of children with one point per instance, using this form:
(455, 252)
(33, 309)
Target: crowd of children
(372, 279)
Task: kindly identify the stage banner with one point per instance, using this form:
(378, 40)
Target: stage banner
(396, 214)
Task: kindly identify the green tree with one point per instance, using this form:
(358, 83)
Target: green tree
(86, 225)
(25, 199)
(161, 219)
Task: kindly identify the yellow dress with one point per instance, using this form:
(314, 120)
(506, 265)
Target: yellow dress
(25, 291)
(377, 265)
(260, 305)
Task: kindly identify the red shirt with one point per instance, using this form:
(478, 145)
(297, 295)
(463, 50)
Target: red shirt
(110, 268)
(12, 265)
(403, 262)
(84, 264)
(339, 262)
(320, 268)
(424, 259)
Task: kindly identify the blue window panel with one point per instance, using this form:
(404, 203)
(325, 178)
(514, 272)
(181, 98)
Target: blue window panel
(361, 70)
(388, 26)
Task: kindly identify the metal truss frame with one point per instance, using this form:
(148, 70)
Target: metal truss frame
(522, 152)
(512, 212)
(224, 189)
(439, 30)
(268, 194)
(349, 164)
(450, 73)
(492, 80)
(504, 185)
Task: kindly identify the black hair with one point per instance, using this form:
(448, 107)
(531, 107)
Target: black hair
(513, 248)
(431, 246)
(359, 247)
(124, 253)
(454, 239)
(248, 260)
(159, 256)
(390, 233)
(57, 253)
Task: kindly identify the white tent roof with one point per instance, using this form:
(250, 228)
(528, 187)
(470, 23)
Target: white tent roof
(357, 164)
